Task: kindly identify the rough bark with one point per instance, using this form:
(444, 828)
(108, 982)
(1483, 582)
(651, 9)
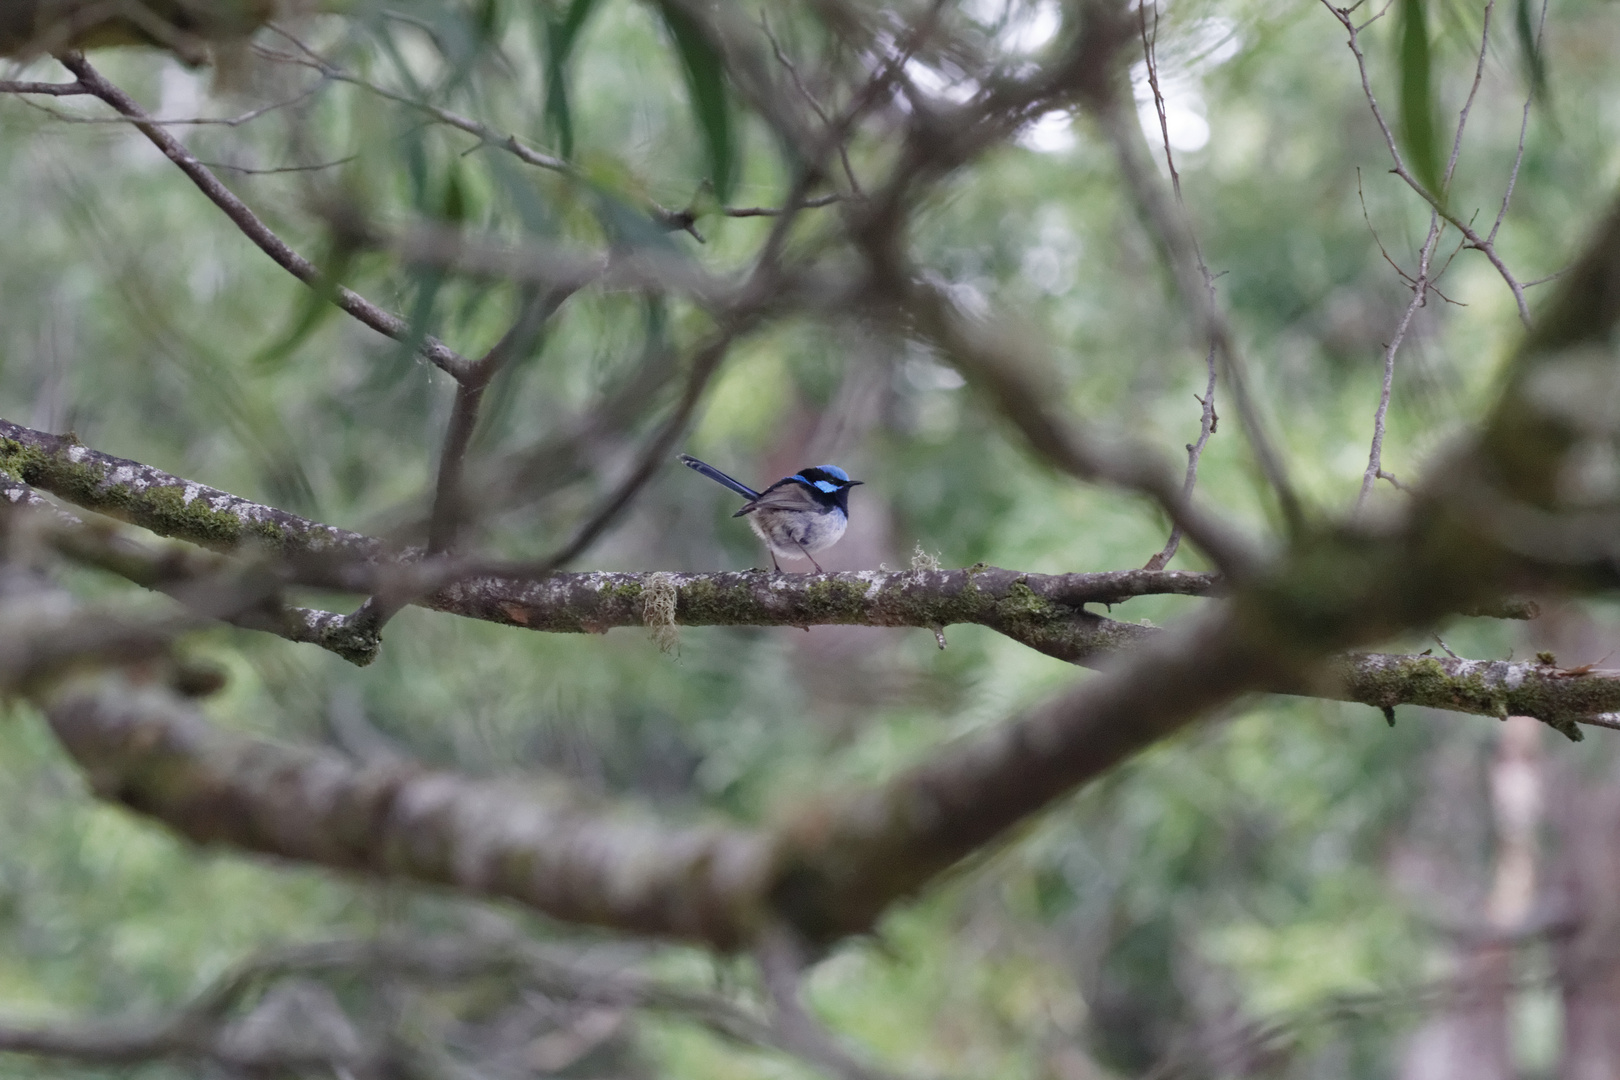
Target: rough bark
(541, 845)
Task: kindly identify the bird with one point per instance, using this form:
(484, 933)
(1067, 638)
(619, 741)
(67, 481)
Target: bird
(798, 514)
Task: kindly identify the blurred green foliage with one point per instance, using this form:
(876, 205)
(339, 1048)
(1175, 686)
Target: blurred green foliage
(1242, 870)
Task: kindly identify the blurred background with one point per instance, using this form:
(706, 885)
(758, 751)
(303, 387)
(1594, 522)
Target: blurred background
(1294, 889)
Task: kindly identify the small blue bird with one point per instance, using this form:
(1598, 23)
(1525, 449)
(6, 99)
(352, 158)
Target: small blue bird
(796, 515)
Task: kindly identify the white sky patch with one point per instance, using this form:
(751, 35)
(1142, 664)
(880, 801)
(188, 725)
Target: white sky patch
(1052, 133)
(1052, 263)
(1031, 28)
(1183, 65)
(182, 93)
(926, 374)
(1183, 115)
(1021, 28)
(936, 84)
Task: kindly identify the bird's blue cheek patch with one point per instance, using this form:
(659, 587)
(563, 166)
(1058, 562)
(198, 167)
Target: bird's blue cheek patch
(827, 485)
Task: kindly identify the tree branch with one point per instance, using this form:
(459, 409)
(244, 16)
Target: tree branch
(540, 846)
(447, 511)
(1484, 245)
(384, 322)
(166, 504)
(202, 1027)
(1043, 611)
(46, 89)
(204, 582)
(1167, 225)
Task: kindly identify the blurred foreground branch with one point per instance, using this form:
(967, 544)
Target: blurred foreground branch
(290, 1027)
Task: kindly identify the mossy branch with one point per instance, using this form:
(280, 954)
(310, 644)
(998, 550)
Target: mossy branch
(1043, 611)
(545, 846)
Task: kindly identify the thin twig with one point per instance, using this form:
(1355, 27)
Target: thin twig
(653, 455)
(1420, 289)
(446, 516)
(247, 170)
(1420, 283)
(768, 211)
(1468, 104)
(1168, 226)
(1208, 419)
(1484, 245)
(1195, 451)
(782, 959)
(186, 121)
(447, 511)
(1150, 57)
(1554, 276)
(821, 114)
(48, 89)
(384, 322)
(1366, 217)
(483, 132)
(488, 137)
(1518, 157)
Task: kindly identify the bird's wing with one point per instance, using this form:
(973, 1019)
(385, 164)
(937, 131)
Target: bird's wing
(784, 495)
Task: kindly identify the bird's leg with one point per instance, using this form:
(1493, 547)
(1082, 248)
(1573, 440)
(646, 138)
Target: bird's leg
(811, 557)
(774, 564)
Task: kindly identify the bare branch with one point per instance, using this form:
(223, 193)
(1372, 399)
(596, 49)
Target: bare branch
(447, 513)
(1208, 418)
(1473, 91)
(767, 211)
(560, 856)
(384, 322)
(178, 121)
(653, 455)
(204, 1029)
(543, 847)
(1518, 157)
(1170, 230)
(1484, 245)
(1015, 384)
(247, 170)
(486, 135)
(1044, 612)
(1150, 58)
(166, 504)
(48, 89)
(810, 99)
(1420, 290)
(782, 960)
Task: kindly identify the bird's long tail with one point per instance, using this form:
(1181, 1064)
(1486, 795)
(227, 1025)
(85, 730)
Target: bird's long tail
(718, 477)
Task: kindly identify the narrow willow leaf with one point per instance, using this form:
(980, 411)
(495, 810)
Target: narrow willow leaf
(1534, 62)
(561, 35)
(626, 223)
(456, 205)
(315, 306)
(1419, 138)
(711, 104)
(488, 21)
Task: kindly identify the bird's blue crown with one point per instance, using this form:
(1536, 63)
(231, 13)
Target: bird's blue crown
(828, 478)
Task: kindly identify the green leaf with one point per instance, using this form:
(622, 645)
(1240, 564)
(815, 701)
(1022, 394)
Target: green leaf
(315, 306)
(456, 205)
(487, 21)
(561, 35)
(1534, 62)
(1418, 130)
(711, 102)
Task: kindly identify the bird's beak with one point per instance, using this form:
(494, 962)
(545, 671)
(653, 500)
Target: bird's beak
(854, 483)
